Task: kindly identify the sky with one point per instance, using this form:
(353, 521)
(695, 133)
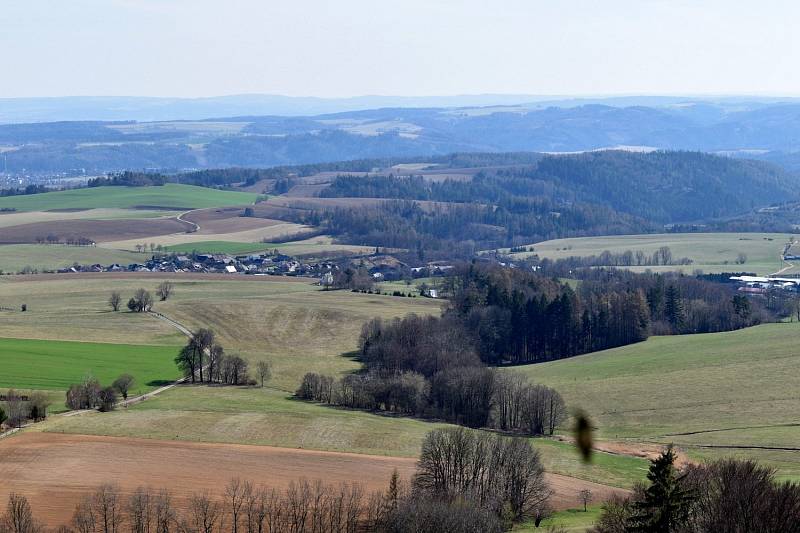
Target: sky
(340, 48)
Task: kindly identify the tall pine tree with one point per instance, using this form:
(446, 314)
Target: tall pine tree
(666, 503)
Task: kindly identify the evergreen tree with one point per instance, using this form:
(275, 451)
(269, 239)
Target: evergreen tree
(673, 309)
(666, 503)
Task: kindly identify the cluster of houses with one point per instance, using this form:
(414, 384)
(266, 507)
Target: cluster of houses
(216, 264)
(380, 267)
(763, 284)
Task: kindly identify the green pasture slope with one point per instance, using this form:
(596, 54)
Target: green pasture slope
(170, 195)
(718, 394)
(710, 252)
(55, 365)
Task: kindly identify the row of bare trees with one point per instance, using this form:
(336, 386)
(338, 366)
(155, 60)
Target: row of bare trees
(303, 507)
(471, 396)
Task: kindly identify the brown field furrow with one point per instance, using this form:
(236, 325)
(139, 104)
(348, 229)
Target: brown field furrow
(96, 230)
(53, 470)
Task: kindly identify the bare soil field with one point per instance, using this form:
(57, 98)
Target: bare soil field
(53, 471)
(97, 230)
(266, 229)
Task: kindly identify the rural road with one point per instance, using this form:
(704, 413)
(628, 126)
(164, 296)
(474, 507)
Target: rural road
(195, 225)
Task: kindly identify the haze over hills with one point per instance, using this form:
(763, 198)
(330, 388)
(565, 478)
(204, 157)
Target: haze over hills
(767, 129)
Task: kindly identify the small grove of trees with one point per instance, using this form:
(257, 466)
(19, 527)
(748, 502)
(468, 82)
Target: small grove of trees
(203, 360)
(726, 495)
(17, 409)
(90, 394)
(502, 474)
(141, 302)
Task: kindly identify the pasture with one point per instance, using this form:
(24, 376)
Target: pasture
(15, 257)
(55, 365)
(732, 393)
(171, 196)
(710, 252)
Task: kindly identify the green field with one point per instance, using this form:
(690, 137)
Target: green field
(734, 389)
(170, 195)
(55, 365)
(219, 247)
(15, 257)
(710, 252)
(571, 520)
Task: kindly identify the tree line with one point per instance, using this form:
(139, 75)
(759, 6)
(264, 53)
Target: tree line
(516, 316)
(465, 482)
(429, 367)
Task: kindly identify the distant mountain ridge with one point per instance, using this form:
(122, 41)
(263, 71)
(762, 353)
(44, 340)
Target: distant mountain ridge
(755, 129)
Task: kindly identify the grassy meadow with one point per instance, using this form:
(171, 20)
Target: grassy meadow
(713, 394)
(710, 252)
(170, 195)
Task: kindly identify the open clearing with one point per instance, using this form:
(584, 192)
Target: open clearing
(711, 252)
(53, 488)
(171, 195)
(49, 365)
(732, 393)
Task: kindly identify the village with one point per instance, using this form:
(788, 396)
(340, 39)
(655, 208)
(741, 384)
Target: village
(369, 269)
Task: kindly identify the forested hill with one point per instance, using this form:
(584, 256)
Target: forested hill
(660, 187)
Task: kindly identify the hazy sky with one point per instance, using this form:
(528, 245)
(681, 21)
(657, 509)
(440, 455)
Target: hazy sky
(404, 47)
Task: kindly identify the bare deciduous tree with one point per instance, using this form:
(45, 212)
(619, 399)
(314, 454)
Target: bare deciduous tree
(585, 497)
(18, 517)
(264, 371)
(205, 514)
(114, 300)
(235, 498)
(165, 289)
(123, 384)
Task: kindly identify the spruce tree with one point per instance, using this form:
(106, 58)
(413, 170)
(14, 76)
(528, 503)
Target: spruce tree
(673, 308)
(666, 502)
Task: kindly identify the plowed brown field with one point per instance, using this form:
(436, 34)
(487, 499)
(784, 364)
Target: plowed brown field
(53, 470)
